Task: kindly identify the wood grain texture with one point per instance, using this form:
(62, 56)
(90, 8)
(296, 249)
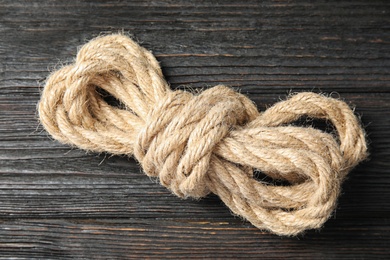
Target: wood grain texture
(58, 202)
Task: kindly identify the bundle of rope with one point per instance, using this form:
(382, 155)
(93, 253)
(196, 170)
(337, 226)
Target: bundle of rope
(209, 142)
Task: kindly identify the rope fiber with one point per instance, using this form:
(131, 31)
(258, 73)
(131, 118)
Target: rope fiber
(210, 142)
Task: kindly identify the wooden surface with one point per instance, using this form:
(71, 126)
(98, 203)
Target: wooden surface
(57, 202)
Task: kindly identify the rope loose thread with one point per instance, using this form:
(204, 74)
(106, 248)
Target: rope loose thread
(210, 142)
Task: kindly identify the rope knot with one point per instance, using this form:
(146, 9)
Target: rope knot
(214, 141)
(181, 132)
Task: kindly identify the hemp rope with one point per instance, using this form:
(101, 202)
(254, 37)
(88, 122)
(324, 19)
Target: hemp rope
(210, 142)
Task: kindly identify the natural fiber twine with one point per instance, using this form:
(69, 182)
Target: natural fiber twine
(210, 142)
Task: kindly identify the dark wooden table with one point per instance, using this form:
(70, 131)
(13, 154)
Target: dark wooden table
(58, 202)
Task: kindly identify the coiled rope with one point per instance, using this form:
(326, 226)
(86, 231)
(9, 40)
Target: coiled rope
(210, 142)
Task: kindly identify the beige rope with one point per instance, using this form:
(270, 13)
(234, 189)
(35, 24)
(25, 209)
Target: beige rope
(211, 142)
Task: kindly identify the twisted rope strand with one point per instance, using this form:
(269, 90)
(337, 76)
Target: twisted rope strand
(211, 142)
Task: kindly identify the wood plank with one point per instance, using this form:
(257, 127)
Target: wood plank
(182, 238)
